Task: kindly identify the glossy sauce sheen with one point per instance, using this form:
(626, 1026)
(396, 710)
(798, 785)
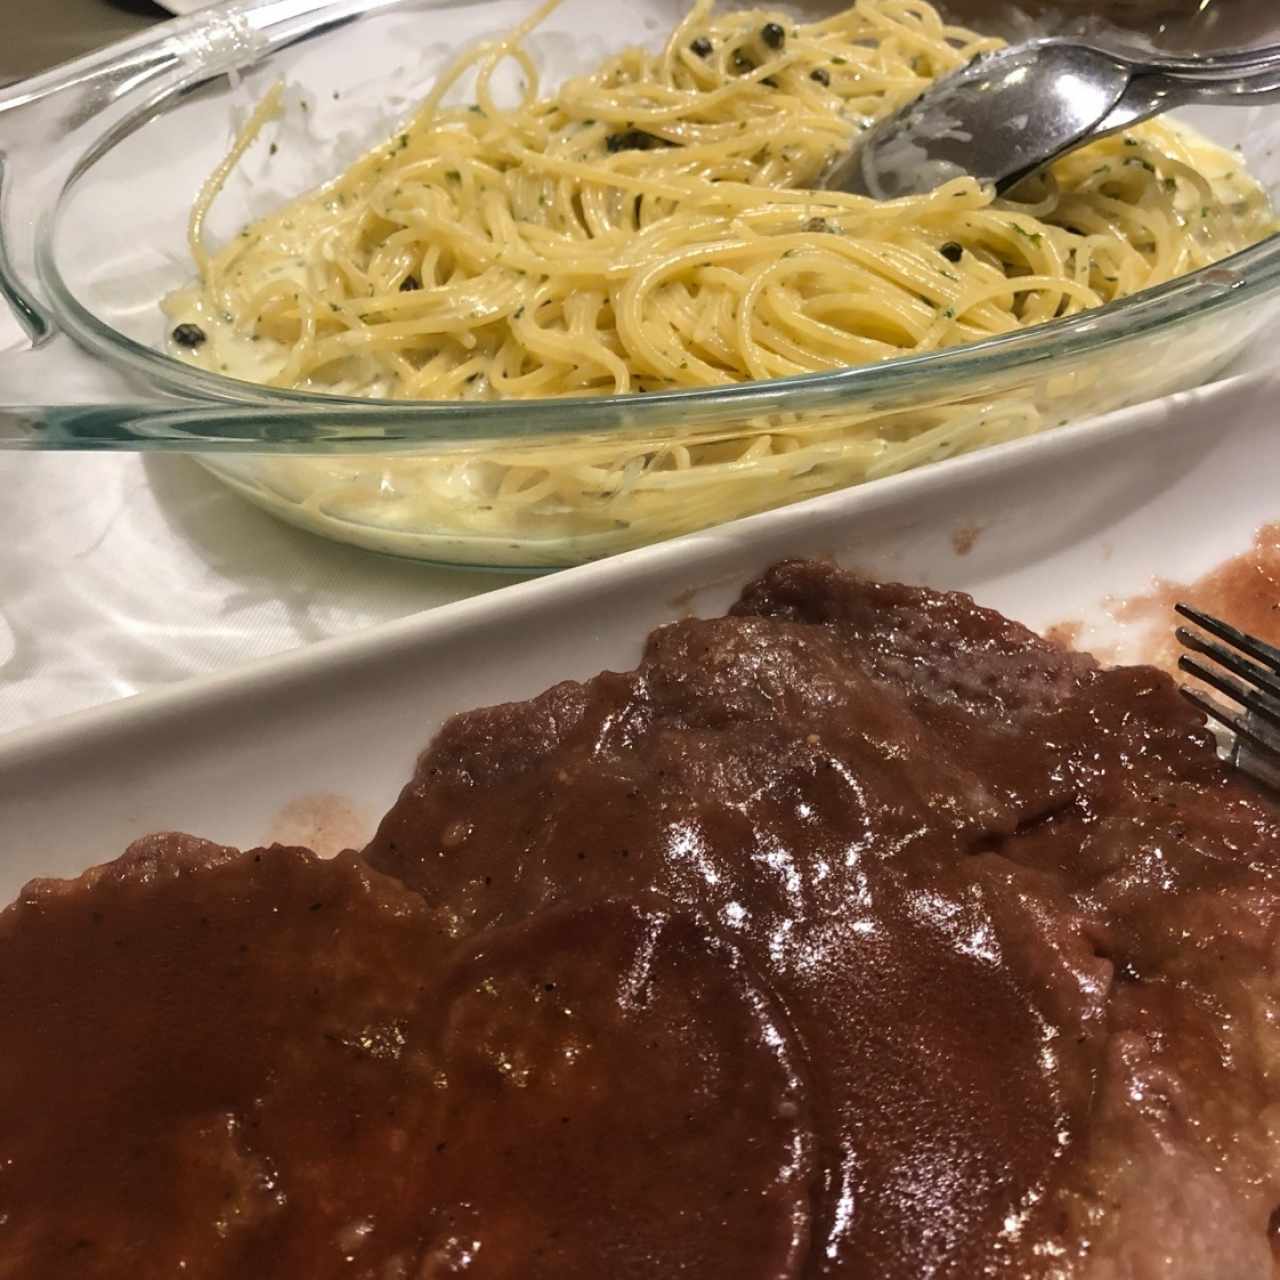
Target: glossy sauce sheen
(860, 934)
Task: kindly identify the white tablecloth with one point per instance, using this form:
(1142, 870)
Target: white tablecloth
(121, 573)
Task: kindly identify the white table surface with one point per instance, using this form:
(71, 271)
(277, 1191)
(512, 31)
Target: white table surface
(120, 573)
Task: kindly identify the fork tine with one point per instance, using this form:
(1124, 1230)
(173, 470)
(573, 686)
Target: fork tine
(1239, 725)
(1261, 706)
(1267, 654)
(1250, 672)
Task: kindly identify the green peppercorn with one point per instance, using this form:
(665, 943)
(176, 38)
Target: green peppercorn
(773, 35)
(190, 335)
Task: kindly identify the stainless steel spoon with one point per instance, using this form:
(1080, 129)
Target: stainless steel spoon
(1009, 114)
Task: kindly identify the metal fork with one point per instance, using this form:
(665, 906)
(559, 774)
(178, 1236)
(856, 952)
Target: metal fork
(1246, 670)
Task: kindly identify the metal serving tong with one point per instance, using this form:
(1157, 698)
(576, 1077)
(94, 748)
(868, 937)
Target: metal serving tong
(1009, 114)
(1246, 670)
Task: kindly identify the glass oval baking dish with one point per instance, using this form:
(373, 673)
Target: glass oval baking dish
(103, 158)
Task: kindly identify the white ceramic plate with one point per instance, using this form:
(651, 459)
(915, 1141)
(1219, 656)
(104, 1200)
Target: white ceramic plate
(317, 744)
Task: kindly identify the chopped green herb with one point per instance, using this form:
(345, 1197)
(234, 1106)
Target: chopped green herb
(273, 148)
(634, 140)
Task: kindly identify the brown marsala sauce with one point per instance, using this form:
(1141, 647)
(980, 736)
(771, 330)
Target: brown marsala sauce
(860, 934)
(1244, 590)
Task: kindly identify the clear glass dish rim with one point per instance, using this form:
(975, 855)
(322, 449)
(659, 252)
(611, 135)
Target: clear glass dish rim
(1219, 288)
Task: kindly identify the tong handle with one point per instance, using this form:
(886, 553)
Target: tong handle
(1152, 95)
(1170, 91)
(1228, 63)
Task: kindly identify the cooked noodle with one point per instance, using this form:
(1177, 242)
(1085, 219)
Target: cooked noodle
(657, 225)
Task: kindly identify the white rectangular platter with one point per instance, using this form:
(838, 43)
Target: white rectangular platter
(317, 744)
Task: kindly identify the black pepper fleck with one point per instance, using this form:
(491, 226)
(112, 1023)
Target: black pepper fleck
(702, 47)
(773, 35)
(952, 251)
(821, 75)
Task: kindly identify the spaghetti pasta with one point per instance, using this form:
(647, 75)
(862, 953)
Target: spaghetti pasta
(659, 224)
